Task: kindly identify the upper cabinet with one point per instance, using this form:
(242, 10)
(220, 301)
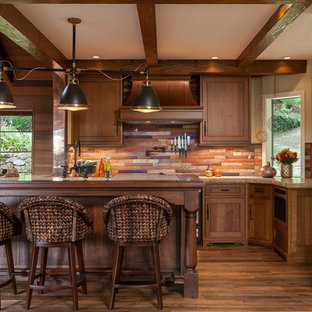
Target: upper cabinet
(99, 124)
(226, 110)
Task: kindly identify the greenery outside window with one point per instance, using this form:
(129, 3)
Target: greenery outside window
(285, 125)
(16, 141)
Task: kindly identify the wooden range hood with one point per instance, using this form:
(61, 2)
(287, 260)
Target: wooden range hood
(179, 104)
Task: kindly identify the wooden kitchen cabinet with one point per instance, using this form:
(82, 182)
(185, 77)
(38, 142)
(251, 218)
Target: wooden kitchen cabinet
(226, 110)
(224, 214)
(98, 125)
(280, 221)
(260, 214)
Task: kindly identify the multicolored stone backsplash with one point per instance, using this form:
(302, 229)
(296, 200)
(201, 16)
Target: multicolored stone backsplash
(130, 158)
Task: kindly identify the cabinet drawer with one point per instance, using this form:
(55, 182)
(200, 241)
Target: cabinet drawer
(225, 189)
(259, 190)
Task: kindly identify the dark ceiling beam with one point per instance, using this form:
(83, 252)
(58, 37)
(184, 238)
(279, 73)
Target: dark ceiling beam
(147, 17)
(278, 22)
(203, 67)
(157, 1)
(22, 32)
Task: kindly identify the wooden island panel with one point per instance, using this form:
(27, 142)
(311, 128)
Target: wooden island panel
(177, 250)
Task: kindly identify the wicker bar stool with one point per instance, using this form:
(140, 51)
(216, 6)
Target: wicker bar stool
(9, 226)
(137, 221)
(55, 222)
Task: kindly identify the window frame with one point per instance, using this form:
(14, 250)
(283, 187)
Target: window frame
(267, 113)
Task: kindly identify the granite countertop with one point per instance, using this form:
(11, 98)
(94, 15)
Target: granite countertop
(128, 178)
(289, 183)
(119, 177)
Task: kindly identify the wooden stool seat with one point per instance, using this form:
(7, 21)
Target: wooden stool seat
(55, 222)
(137, 221)
(9, 226)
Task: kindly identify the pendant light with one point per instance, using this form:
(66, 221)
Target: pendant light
(73, 98)
(146, 101)
(6, 98)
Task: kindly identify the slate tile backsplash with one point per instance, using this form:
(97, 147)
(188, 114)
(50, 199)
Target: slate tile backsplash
(130, 158)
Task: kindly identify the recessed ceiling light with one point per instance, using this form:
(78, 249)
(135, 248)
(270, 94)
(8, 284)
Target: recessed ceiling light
(287, 57)
(96, 56)
(214, 57)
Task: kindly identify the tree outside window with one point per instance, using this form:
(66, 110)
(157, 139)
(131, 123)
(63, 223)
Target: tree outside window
(16, 142)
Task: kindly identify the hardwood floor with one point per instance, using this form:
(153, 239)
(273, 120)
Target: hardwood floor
(231, 279)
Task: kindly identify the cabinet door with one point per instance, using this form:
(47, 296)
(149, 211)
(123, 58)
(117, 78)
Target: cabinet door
(260, 221)
(99, 125)
(225, 220)
(226, 110)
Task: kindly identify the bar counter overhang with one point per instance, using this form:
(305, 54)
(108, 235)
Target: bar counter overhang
(177, 251)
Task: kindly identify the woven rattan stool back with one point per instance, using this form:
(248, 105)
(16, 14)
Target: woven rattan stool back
(9, 224)
(137, 218)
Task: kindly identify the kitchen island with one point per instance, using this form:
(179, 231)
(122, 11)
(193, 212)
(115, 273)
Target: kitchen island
(177, 251)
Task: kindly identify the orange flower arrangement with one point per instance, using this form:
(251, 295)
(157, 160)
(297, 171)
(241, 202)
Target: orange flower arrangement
(286, 156)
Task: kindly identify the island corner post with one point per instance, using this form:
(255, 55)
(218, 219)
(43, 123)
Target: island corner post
(177, 251)
(191, 206)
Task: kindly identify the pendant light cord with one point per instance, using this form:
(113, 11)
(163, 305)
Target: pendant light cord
(112, 78)
(28, 73)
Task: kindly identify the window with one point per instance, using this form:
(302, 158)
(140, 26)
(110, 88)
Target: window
(16, 141)
(284, 120)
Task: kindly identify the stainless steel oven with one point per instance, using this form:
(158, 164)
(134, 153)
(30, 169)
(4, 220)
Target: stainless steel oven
(280, 204)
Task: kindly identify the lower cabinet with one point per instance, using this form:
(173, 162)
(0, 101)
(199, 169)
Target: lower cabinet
(260, 214)
(224, 216)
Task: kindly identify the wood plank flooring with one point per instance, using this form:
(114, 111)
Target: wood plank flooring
(231, 279)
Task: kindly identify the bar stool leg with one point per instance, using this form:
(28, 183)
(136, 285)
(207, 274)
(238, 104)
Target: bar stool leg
(43, 268)
(72, 261)
(32, 273)
(9, 256)
(119, 266)
(82, 272)
(156, 263)
(116, 273)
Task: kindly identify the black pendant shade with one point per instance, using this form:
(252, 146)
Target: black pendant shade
(6, 98)
(73, 98)
(146, 101)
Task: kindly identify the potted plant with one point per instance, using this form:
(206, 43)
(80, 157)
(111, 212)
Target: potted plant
(286, 158)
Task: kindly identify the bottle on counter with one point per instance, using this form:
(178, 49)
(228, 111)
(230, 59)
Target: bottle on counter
(101, 168)
(209, 172)
(218, 172)
(108, 168)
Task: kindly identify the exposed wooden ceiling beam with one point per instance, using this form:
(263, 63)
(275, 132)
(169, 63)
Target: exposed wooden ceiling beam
(21, 31)
(158, 1)
(203, 67)
(147, 18)
(278, 22)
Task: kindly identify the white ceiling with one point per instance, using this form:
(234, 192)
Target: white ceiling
(202, 31)
(112, 31)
